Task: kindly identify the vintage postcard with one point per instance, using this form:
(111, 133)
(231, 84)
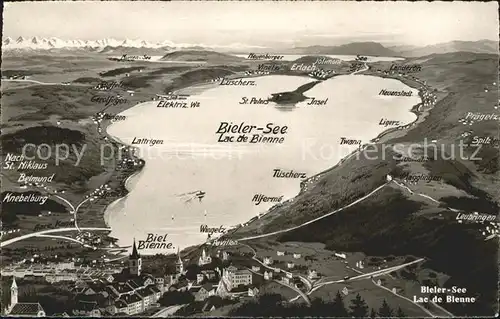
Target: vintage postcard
(250, 159)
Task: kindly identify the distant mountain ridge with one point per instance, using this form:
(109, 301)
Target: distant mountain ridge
(377, 49)
(480, 46)
(38, 43)
(129, 46)
(110, 44)
(362, 48)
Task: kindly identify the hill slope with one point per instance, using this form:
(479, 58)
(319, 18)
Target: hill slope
(481, 46)
(199, 55)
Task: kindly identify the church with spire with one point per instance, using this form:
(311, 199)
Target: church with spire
(179, 265)
(22, 309)
(135, 262)
(130, 292)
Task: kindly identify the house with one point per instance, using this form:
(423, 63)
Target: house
(209, 274)
(234, 277)
(286, 280)
(119, 306)
(268, 260)
(290, 265)
(64, 314)
(280, 253)
(288, 274)
(212, 289)
(22, 309)
(87, 309)
(199, 293)
(312, 274)
(109, 278)
(268, 275)
(256, 268)
(339, 255)
(297, 255)
(253, 291)
(134, 304)
(161, 283)
(199, 278)
(212, 303)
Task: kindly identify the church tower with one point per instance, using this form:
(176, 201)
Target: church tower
(135, 262)
(204, 258)
(13, 293)
(179, 266)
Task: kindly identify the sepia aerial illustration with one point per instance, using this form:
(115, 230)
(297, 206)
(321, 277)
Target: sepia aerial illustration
(250, 159)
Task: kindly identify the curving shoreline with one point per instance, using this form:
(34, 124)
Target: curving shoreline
(103, 128)
(385, 135)
(204, 86)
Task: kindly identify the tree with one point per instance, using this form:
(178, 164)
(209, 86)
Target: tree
(400, 313)
(192, 270)
(175, 298)
(319, 308)
(385, 310)
(358, 307)
(338, 307)
(373, 313)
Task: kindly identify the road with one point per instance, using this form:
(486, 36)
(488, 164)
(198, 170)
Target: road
(364, 69)
(73, 208)
(49, 231)
(32, 81)
(168, 311)
(375, 273)
(318, 218)
(423, 195)
(385, 270)
(297, 290)
(364, 276)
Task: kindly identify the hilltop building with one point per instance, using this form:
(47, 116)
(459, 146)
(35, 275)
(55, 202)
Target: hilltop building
(312, 274)
(204, 258)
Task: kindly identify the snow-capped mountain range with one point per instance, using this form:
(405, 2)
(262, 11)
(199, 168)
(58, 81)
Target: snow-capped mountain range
(38, 43)
(55, 43)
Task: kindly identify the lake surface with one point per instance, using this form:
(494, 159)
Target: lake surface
(231, 174)
(293, 57)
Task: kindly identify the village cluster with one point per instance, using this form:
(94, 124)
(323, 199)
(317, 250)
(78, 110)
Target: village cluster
(256, 72)
(15, 77)
(321, 74)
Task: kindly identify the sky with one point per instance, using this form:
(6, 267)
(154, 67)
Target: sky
(268, 24)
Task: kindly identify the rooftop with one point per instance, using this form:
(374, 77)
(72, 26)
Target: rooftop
(26, 308)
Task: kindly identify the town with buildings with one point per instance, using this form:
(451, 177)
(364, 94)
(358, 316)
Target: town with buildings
(123, 287)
